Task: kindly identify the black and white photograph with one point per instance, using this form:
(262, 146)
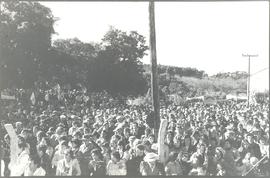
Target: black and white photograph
(134, 88)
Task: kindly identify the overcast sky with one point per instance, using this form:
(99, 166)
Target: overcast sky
(209, 36)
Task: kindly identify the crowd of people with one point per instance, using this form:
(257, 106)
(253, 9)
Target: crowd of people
(82, 134)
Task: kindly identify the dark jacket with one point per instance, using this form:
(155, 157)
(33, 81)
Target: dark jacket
(133, 166)
(97, 168)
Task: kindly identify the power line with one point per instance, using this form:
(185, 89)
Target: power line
(259, 71)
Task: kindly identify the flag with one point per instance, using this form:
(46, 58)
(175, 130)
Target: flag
(33, 98)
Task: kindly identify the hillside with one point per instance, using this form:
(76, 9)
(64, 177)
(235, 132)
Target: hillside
(190, 82)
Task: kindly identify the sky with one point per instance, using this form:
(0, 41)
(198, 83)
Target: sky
(209, 36)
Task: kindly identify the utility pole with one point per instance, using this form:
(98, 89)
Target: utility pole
(154, 73)
(248, 79)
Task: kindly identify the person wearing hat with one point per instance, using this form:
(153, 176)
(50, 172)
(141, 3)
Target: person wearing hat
(150, 166)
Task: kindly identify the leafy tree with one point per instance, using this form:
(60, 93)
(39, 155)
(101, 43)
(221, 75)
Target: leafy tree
(118, 66)
(25, 35)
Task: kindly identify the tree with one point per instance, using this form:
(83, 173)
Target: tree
(118, 66)
(25, 35)
(83, 55)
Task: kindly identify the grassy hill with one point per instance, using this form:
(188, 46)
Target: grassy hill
(190, 82)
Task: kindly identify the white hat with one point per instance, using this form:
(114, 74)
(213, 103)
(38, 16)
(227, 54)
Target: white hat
(151, 157)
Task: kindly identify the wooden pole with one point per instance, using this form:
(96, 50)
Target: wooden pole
(248, 79)
(154, 74)
(248, 83)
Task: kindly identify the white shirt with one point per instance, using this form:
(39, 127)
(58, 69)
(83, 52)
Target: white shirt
(118, 169)
(2, 168)
(18, 168)
(38, 172)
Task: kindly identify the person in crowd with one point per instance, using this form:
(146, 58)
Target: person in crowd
(59, 154)
(116, 166)
(69, 165)
(229, 159)
(45, 161)
(253, 147)
(219, 161)
(18, 127)
(173, 167)
(34, 167)
(18, 167)
(6, 156)
(50, 150)
(133, 164)
(150, 166)
(186, 152)
(97, 167)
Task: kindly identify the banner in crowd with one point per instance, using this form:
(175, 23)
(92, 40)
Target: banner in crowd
(195, 98)
(137, 102)
(240, 96)
(7, 97)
